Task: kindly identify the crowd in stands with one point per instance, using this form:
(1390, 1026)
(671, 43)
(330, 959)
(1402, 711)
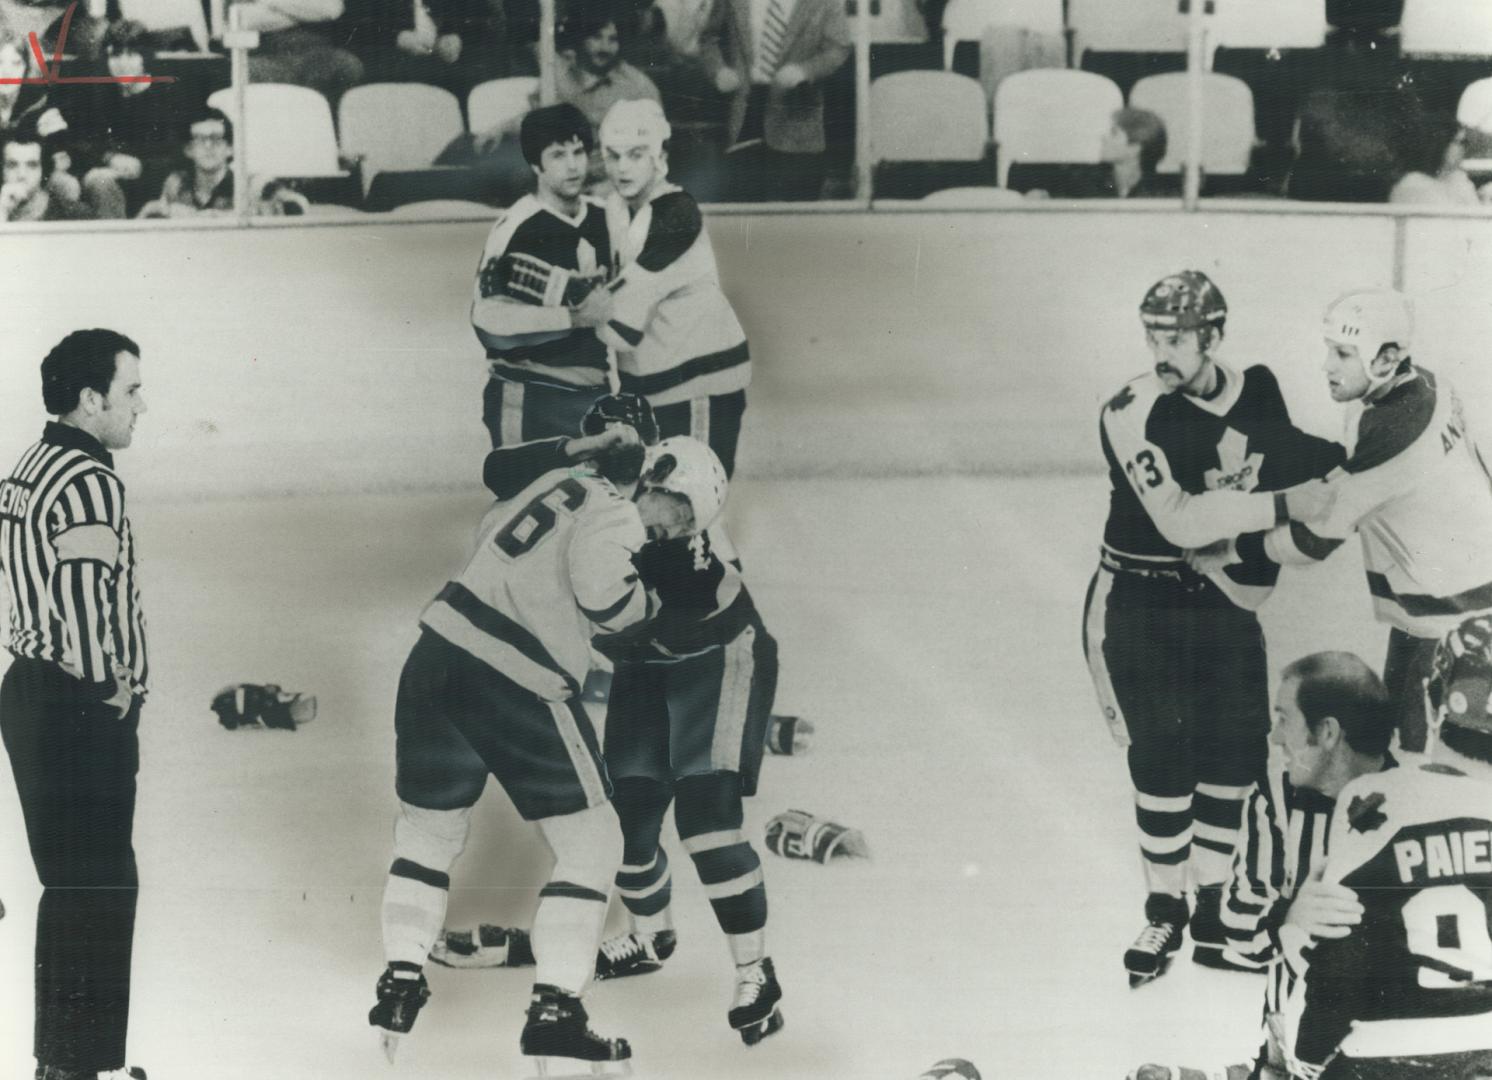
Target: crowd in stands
(760, 95)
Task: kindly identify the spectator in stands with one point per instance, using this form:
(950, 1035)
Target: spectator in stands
(1344, 145)
(25, 166)
(206, 186)
(591, 74)
(663, 43)
(296, 45)
(13, 105)
(126, 133)
(773, 56)
(1433, 151)
(1133, 149)
(455, 44)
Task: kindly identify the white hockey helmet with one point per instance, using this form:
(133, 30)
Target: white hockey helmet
(687, 467)
(638, 122)
(1370, 319)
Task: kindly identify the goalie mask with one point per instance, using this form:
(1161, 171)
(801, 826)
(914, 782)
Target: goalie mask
(688, 468)
(1370, 320)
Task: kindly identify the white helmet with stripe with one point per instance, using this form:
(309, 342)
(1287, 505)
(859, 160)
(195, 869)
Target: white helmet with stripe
(1371, 320)
(638, 122)
(688, 468)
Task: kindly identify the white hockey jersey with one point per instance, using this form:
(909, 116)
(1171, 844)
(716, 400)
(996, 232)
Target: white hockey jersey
(1415, 976)
(1416, 490)
(552, 567)
(676, 335)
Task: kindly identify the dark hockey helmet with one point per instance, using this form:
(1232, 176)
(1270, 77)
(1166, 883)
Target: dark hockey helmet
(627, 409)
(1460, 679)
(1184, 301)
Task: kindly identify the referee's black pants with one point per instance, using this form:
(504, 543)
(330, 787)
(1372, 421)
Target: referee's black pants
(74, 761)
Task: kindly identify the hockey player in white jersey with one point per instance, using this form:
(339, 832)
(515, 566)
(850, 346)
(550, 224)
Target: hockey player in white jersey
(1414, 488)
(492, 688)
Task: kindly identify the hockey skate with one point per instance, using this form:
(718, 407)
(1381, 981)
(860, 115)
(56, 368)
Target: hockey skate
(1209, 940)
(557, 1039)
(1181, 1072)
(755, 1013)
(487, 946)
(634, 954)
(1150, 956)
(402, 992)
(59, 1072)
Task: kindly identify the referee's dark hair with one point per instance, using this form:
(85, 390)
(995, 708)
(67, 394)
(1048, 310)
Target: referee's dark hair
(83, 359)
(553, 125)
(1341, 685)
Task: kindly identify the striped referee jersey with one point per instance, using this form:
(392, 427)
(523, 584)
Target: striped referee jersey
(68, 560)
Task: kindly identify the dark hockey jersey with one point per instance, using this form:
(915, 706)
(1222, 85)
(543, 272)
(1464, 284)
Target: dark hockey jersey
(1415, 976)
(529, 337)
(697, 579)
(1187, 471)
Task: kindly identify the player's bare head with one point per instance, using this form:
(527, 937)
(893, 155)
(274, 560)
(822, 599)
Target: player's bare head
(1458, 693)
(1341, 687)
(634, 146)
(84, 360)
(553, 126)
(686, 470)
(1368, 334)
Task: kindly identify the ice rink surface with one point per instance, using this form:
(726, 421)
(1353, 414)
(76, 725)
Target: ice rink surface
(929, 628)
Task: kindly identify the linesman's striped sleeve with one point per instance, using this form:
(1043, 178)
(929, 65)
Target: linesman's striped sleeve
(85, 524)
(1255, 904)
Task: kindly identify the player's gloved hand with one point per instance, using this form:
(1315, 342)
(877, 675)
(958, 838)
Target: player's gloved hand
(593, 311)
(1215, 556)
(727, 81)
(1310, 501)
(615, 437)
(122, 697)
(1324, 909)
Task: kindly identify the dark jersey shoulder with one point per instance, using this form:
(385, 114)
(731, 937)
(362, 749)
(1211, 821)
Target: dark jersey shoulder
(546, 235)
(1390, 425)
(675, 225)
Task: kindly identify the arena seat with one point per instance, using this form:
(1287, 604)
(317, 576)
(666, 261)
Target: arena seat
(1127, 68)
(1133, 26)
(929, 129)
(160, 15)
(966, 20)
(1228, 120)
(1364, 15)
(288, 130)
(397, 125)
(1269, 24)
(499, 103)
(1053, 116)
(1446, 28)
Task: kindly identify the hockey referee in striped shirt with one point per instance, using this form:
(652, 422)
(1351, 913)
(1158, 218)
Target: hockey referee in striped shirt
(70, 701)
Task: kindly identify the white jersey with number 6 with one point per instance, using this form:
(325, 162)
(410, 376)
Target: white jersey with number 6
(552, 567)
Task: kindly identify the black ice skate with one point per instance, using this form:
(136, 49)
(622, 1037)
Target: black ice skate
(560, 1042)
(755, 1013)
(487, 946)
(634, 954)
(402, 992)
(59, 1072)
(1209, 940)
(1150, 956)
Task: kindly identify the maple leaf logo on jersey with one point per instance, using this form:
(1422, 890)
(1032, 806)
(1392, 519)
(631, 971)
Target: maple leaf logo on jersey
(1238, 469)
(1121, 399)
(1366, 814)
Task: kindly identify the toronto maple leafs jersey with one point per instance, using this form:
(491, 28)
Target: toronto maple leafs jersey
(1186, 471)
(552, 568)
(676, 335)
(1415, 489)
(1415, 976)
(526, 339)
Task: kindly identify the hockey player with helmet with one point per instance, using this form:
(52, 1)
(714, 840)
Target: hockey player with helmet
(686, 722)
(1197, 452)
(678, 341)
(544, 257)
(1414, 487)
(491, 688)
(1408, 991)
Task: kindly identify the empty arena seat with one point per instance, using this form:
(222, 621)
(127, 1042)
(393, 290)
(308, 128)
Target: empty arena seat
(1269, 24)
(1363, 15)
(1474, 110)
(500, 103)
(162, 15)
(929, 129)
(397, 125)
(288, 130)
(890, 20)
(1053, 116)
(966, 20)
(1446, 27)
(1227, 120)
(1130, 26)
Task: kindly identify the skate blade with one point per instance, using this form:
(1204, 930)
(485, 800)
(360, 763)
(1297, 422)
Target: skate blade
(1138, 979)
(546, 1067)
(757, 1032)
(482, 958)
(1213, 956)
(389, 1042)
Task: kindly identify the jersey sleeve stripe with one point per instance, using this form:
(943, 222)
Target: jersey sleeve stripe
(1477, 599)
(461, 617)
(611, 611)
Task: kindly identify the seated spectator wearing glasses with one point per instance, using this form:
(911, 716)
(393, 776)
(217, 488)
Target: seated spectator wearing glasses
(127, 134)
(25, 166)
(1432, 152)
(454, 44)
(298, 43)
(206, 186)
